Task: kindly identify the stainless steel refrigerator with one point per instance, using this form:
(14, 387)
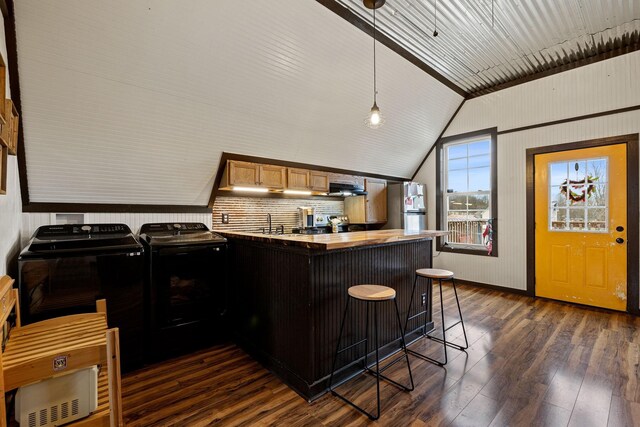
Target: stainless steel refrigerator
(407, 206)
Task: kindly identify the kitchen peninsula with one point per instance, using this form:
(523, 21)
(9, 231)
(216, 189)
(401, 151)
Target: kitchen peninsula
(288, 293)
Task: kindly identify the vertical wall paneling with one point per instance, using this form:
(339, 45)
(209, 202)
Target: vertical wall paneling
(604, 86)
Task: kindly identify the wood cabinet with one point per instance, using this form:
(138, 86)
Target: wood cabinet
(303, 179)
(247, 174)
(297, 179)
(319, 181)
(371, 208)
(242, 174)
(272, 176)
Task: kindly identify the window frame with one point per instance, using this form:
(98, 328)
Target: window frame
(441, 194)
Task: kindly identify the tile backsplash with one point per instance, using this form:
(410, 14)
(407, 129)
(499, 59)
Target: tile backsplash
(250, 213)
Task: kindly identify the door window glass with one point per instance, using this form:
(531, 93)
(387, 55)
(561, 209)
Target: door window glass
(578, 195)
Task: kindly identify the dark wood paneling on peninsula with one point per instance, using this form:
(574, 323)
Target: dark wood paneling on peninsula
(287, 302)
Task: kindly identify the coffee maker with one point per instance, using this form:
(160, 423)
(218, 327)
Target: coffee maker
(306, 217)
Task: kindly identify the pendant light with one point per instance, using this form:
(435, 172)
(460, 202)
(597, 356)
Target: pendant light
(375, 119)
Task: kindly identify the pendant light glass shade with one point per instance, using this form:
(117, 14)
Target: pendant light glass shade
(375, 119)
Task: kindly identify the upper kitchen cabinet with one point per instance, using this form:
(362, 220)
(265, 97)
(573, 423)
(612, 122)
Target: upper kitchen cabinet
(319, 181)
(303, 179)
(247, 174)
(272, 176)
(241, 173)
(297, 179)
(370, 208)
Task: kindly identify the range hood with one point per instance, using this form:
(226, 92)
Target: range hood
(345, 189)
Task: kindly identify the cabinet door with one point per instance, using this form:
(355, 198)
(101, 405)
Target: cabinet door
(272, 176)
(355, 209)
(376, 200)
(243, 173)
(297, 179)
(319, 181)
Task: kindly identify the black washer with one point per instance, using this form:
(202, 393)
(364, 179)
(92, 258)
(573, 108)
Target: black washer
(185, 288)
(65, 268)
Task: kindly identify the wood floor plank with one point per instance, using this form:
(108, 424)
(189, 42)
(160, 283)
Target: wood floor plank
(623, 413)
(530, 362)
(593, 402)
(478, 413)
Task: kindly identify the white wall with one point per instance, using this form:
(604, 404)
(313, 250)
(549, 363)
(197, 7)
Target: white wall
(135, 101)
(10, 203)
(602, 86)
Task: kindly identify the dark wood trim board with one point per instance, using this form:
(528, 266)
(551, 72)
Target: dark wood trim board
(633, 226)
(493, 287)
(110, 207)
(571, 119)
(440, 246)
(437, 140)
(14, 84)
(361, 24)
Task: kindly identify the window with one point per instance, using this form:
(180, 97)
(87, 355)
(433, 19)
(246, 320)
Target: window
(578, 195)
(467, 196)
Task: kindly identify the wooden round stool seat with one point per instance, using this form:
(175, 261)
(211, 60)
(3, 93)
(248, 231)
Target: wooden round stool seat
(434, 273)
(372, 292)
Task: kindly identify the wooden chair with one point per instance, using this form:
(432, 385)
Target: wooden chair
(81, 341)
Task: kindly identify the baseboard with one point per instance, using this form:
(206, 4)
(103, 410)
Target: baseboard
(495, 288)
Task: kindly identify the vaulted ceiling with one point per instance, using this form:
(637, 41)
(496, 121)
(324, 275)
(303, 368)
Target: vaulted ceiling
(484, 43)
(135, 101)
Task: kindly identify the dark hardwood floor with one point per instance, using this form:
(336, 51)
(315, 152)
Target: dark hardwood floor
(531, 362)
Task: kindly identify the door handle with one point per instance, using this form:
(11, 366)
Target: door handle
(620, 240)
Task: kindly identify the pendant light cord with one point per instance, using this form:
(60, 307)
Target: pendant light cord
(435, 17)
(375, 89)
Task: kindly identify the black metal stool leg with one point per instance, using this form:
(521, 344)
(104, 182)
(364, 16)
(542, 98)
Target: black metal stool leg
(375, 327)
(415, 353)
(335, 356)
(404, 347)
(406, 323)
(444, 339)
(378, 370)
(366, 340)
(464, 331)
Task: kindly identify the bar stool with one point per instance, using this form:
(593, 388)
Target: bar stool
(370, 294)
(440, 275)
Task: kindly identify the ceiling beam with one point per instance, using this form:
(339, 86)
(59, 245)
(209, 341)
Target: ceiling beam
(363, 25)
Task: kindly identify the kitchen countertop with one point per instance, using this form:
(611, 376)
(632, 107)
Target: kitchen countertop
(334, 241)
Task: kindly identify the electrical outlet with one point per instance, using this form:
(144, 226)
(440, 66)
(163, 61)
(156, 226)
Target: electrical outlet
(424, 299)
(225, 218)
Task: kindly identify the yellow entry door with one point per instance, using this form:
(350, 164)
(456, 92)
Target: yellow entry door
(581, 226)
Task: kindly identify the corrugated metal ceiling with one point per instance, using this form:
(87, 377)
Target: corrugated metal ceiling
(477, 50)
